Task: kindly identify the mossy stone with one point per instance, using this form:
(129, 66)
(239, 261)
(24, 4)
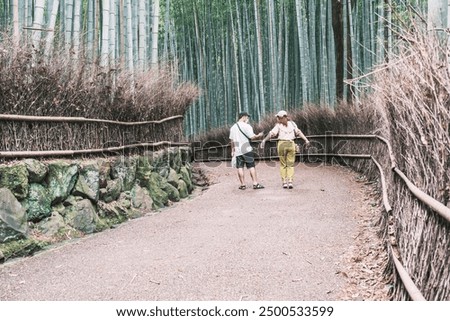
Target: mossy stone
(61, 180)
(125, 169)
(38, 204)
(88, 183)
(82, 217)
(13, 219)
(158, 195)
(15, 178)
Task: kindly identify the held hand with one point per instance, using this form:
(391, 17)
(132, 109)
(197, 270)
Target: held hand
(261, 134)
(307, 143)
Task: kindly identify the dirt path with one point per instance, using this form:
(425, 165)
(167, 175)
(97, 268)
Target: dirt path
(225, 244)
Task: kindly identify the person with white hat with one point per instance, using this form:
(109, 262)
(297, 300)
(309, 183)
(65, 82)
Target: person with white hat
(287, 131)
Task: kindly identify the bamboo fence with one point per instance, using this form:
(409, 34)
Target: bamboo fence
(36, 136)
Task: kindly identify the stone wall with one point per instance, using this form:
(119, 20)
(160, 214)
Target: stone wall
(42, 202)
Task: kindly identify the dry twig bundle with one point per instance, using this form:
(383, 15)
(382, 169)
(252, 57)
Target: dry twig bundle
(413, 94)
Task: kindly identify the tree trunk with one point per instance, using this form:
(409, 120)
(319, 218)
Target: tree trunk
(130, 54)
(243, 56)
(105, 34)
(38, 23)
(338, 33)
(89, 42)
(166, 32)
(437, 14)
(142, 36)
(68, 25)
(112, 33)
(273, 85)
(76, 30)
(262, 106)
(155, 31)
(236, 60)
(350, 48)
(16, 32)
(122, 33)
(304, 64)
(51, 32)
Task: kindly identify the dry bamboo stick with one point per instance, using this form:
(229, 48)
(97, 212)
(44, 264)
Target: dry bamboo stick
(81, 119)
(351, 136)
(391, 153)
(331, 135)
(23, 154)
(362, 156)
(387, 206)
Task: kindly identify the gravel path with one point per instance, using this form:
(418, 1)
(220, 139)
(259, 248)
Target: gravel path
(222, 244)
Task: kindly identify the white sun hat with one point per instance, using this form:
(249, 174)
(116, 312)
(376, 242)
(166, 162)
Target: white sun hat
(281, 113)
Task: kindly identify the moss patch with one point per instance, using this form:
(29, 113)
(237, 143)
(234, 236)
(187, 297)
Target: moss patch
(21, 248)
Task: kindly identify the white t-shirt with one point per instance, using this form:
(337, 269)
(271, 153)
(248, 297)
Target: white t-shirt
(241, 143)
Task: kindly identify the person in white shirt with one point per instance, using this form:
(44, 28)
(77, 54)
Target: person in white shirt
(241, 134)
(287, 131)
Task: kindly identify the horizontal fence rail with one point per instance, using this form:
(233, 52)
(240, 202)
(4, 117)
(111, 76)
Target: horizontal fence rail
(386, 204)
(50, 119)
(437, 206)
(409, 284)
(67, 153)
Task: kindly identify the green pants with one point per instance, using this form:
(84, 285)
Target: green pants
(286, 152)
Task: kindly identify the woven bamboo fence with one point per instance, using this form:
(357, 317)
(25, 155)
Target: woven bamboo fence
(32, 136)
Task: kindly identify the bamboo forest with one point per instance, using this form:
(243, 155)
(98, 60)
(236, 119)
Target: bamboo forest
(253, 55)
